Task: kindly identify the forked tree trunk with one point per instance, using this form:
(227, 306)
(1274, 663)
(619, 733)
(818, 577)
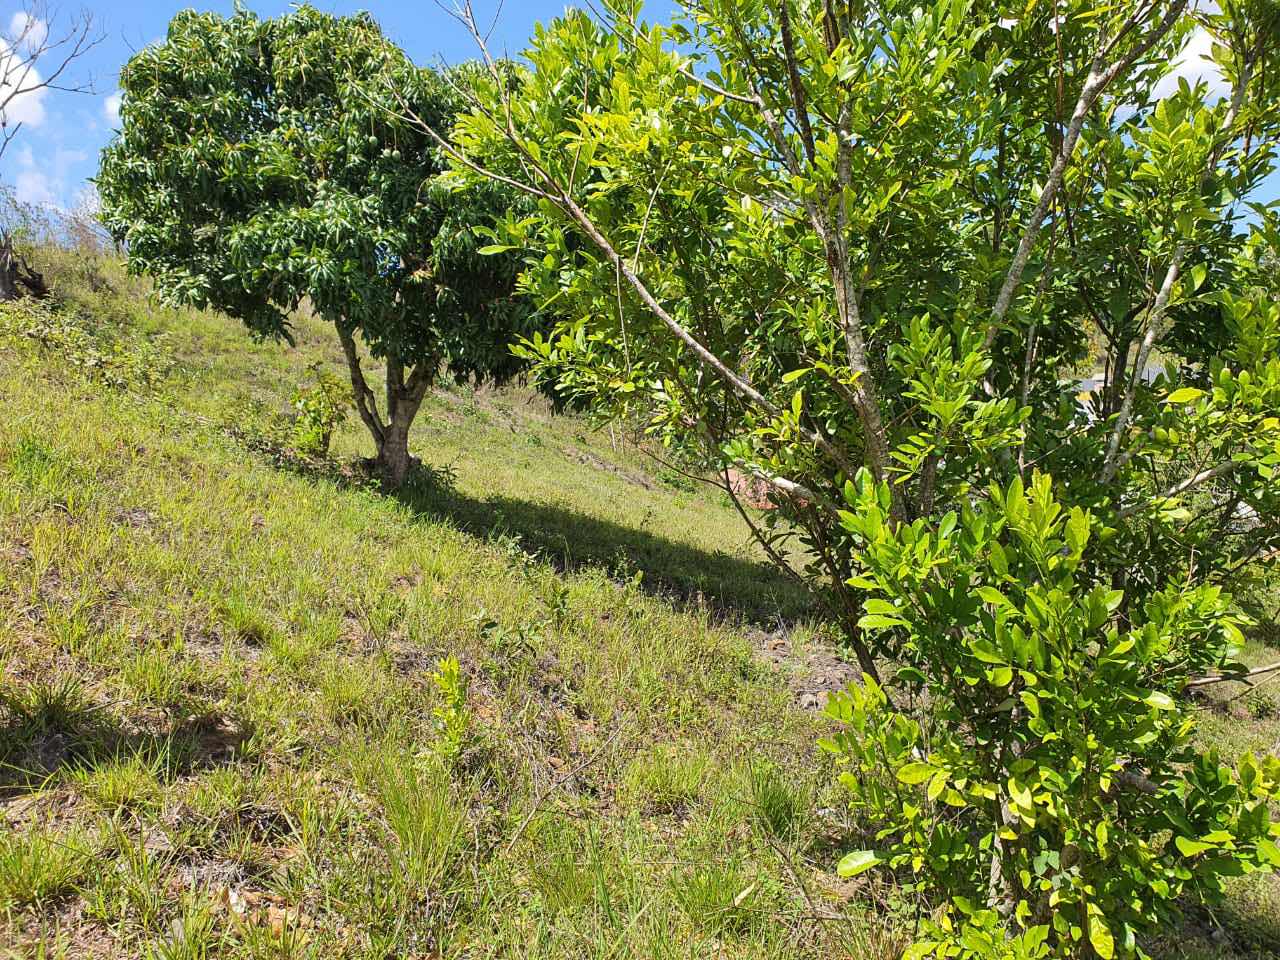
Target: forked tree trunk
(404, 397)
(15, 274)
(393, 458)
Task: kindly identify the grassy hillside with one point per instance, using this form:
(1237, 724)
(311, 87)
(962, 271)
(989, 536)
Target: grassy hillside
(229, 726)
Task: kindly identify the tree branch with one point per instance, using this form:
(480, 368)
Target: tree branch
(1189, 483)
(1156, 315)
(35, 47)
(366, 403)
(1099, 78)
(1240, 678)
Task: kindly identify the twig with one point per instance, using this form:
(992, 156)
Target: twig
(556, 785)
(1227, 678)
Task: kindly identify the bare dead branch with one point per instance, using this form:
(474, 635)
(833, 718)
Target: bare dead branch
(1182, 486)
(37, 57)
(1239, 678)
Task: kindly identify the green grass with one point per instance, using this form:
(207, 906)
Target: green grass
(223, 730)
(39, 867)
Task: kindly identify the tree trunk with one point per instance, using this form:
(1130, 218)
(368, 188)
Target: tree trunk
(394, 461)
(14, 272)
(404, 397)
(8, 271)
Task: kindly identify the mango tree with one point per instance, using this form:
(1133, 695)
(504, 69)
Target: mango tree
(865, 253)
(254, 170)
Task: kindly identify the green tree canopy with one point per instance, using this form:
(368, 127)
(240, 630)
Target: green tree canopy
(864, 253)
(263, 162)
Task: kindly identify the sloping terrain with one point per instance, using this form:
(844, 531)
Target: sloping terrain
(544, 703)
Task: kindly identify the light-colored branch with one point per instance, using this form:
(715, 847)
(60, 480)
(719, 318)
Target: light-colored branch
(1239, 678)
(1111, 464)
(1156, 315)
(555, 192)
(1181, 487)
(793, 489)
(38, 46)
(1101, 75)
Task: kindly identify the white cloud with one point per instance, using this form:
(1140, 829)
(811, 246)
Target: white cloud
(111, 107)
(46, 182)
(32, 186)
(26, 107)
(27, 31)
(1193, 65)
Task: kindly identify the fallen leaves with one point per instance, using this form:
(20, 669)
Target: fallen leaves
(257, 908)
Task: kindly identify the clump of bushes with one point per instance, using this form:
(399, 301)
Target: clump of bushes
(319, 409)
(112, 355)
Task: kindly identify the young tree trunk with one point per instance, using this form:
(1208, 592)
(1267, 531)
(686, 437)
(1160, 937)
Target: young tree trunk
(404, 398)
(8, 270)
(393, 459)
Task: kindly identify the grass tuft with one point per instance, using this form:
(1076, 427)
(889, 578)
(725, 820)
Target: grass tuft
(666, 779)
(420, 809)
(779, 806)
(41, 867)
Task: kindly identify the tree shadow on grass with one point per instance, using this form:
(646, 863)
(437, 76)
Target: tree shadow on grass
(729, 587)
(1236, 930)
(50, 725)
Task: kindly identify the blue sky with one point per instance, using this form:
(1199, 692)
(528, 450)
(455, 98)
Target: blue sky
(57, 150)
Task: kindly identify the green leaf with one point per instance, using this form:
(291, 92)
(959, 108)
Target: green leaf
(1184, 395)
(1104, 943)
(984, 651)
(875, 621)
(914, 773)
(878, 605)
(1000, 676)
(937, 785)
(1161, 701)
(1197, 275)
(999, 561)
(994, 597)
(494, 248)
(921, 949)
(1269, 852)
(1189, 847)
(860, 861)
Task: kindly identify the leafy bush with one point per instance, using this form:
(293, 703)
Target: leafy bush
(453, 719)
(1053, 776)
(107, 354)
(860, 255)
(320, 409)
